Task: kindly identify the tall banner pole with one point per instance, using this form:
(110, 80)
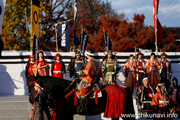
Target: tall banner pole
(56, 38)
(104, 36)
(156, 39)
(31, 35)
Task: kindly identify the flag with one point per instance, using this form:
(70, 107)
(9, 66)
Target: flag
(157, 26)
(84, 42)
(2, 8)
(35, 46)
(35, 17)
(63, 35)
(76, 41)
(108, 42)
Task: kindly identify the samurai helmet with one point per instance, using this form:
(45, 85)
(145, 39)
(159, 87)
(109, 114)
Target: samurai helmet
(90, 52)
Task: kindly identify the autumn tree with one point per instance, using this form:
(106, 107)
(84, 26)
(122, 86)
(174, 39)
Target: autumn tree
(17, 23)
(15, 31)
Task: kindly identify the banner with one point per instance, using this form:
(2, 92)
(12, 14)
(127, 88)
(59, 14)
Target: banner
(35, 17)
(35, 46)
(157, 24)
(63, 35)
(108, 42)
(84, 42)
(76, 41)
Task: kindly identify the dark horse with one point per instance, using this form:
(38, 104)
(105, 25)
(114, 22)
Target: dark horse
(56, 87)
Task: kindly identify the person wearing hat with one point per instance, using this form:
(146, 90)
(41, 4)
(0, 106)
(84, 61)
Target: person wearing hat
(110, 69)
(76, 65)
(41, 67)
(90, 79)
(165, 70)
(58, 67)
(29, 72)
(141, 68)
(144, 93)
(174, 91)
(161, 101)
(41, 110)
(130, 69)
(152, 68)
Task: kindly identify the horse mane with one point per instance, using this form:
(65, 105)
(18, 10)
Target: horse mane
(56, 87)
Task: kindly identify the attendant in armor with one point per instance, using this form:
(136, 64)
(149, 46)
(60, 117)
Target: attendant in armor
(41, 111)
(152, 68)
(165, 70)
(76, 66)
(58, 67)
(174, 91)
(90, 78)
(144, 96)
(29, 71)
(130, 69)
(110, 69)
(161, 102)
(41, 67)
(141, 68)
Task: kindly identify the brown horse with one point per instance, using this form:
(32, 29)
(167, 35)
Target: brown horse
(65, 110)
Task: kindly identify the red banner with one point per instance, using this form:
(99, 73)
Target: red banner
(157, 24)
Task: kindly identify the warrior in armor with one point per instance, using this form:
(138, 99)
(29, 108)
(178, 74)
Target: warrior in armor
(144, 95)
(90, 78)
(76, 66)
(29, 71)
(41, 67)
(165, 70)
(58, 67)
(110, 69)
(152, 68)
(141, 68)
(174, 91)
(130, 69)
(161, 101)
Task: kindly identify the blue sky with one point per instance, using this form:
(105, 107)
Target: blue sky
(169, 10)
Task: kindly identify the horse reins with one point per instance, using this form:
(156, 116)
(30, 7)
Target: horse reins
(70, 85)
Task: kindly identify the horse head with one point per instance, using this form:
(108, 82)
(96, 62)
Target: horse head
(56, 87)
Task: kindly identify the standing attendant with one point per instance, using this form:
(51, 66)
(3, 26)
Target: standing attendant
(76, 66)
(58, 67)
(141, 68)
(130, 73)
(41, 67)
(152, 68)
(165, 70)
(29, 71)
(110, 69)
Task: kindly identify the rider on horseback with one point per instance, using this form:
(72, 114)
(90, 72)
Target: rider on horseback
(90, 77)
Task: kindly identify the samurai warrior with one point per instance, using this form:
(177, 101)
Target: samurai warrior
(110, 69)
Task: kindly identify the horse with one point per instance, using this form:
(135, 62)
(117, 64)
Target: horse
(65, 109)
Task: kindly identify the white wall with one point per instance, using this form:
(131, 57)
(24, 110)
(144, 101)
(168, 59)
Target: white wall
(12, 77)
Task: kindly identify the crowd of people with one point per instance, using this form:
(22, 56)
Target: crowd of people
(151, 80)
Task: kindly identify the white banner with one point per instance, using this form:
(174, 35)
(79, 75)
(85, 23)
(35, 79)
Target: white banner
(2, 7)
